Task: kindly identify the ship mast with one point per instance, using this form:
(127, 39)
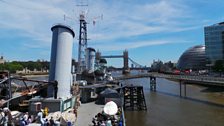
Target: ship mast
(82, 43)
(82, 40)
(83, 35)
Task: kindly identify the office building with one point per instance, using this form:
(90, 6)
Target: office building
(214, 43)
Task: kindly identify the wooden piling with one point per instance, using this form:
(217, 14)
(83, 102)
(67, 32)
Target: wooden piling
(185, 90)
(180, 83)
(134, 98)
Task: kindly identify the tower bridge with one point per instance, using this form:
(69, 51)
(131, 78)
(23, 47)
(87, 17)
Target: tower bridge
(126, 59)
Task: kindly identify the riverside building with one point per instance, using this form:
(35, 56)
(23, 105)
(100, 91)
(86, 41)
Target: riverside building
(193, 58)
(214, 43)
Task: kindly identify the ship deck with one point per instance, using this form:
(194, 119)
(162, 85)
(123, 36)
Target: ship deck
(86, 112)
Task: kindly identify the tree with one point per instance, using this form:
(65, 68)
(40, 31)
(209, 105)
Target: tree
(45, 65)
(12, 66)
(2, 66)
(219, 66)
(20, 65)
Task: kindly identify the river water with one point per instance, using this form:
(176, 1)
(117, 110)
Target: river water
(203, 106)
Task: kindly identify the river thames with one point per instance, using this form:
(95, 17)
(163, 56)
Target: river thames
(203, 106)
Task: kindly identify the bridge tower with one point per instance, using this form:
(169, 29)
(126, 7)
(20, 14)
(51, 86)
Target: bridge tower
(126, 67)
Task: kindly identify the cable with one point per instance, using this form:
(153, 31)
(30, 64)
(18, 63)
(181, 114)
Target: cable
(134, 62)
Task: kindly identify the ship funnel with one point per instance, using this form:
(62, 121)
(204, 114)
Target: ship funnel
(61, 61)
(90, 59)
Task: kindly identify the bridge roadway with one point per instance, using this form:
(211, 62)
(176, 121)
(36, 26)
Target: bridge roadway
(204, 80)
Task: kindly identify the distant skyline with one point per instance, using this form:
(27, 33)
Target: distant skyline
(148, 29)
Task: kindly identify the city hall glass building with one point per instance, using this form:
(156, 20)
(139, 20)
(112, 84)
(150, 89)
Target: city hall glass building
(193, 58)
(214, 43)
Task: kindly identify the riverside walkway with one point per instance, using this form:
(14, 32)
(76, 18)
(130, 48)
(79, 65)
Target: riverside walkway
(182, 79)
(204, 80)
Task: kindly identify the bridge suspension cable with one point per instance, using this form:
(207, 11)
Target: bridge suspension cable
(135, 63)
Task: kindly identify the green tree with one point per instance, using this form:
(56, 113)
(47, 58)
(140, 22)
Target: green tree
(2, 66)
(45, 65)
(13, 66)
(20, 65)
(219, 66)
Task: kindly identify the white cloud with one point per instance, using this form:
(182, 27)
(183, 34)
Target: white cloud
(136, 44)
(159, 17)
(33, 19)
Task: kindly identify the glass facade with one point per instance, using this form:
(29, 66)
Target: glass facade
(214, 43)
(193, 58)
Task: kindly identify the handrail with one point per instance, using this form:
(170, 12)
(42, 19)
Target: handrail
(124, 121)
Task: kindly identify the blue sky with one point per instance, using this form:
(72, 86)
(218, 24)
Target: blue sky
(148, 29)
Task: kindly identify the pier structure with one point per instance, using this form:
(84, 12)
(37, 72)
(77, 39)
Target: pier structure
(153, 83)
(134, 98)
(181, 82)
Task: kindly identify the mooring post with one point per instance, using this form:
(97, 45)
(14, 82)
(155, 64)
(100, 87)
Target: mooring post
(154, 83)
(150, 83)
(180, 89)
(185, 90)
